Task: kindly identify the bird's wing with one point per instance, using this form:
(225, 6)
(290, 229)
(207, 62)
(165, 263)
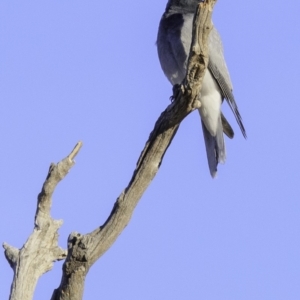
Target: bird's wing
(218, 68)
(171, 51)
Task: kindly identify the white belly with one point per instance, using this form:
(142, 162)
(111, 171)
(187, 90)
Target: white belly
(211, 101)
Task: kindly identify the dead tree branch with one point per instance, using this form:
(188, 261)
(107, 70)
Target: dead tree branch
(84, 250)
(41, 249)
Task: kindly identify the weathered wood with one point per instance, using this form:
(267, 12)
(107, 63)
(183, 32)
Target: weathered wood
(84, 250)
(41, 249)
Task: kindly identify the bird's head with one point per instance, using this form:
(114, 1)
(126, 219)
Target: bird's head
(185, 5)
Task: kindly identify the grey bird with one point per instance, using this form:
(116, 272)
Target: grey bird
(173, 46)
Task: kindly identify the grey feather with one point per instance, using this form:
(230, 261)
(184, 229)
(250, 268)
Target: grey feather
(226, 127)
(227, 94)
(215, 148)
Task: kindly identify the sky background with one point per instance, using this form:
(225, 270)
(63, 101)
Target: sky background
(88, 70)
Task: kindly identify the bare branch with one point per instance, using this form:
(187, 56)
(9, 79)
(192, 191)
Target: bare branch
(84, 250)
(75, 151)
(41, 249)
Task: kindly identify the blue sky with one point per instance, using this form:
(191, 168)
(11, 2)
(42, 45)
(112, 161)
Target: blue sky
(74, 70)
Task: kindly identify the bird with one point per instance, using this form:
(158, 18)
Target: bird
(173, 46)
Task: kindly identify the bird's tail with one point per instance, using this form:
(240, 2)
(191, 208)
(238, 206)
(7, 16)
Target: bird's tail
(215, 147)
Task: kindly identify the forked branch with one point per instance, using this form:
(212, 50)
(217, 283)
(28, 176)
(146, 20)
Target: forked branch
(41, 249)
(84, 250)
